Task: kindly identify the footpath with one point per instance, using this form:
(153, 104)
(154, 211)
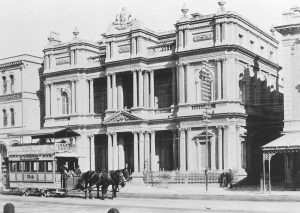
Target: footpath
(198, 191)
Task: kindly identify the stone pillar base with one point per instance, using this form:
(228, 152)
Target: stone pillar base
(137, 178)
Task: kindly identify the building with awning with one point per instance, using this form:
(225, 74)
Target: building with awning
(288, 145)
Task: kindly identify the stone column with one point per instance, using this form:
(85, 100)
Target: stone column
(189, 82)
(220, 148)
(114, 91)
(226, 148)
(181, 80)
(147, 149)
(47, 100)
(115, 151)
(175, 150)
(136, 151)
(153, 158)
(238, 149)
(198, 153)
(121, 152)
(141, 150)
(53, 102)
(224, 79)
(180, 38)
(134, 88)
(189, 148)
(186, 38)
(151, 88)
(182, 148)
(133, 46)
(109, 92)
(213, 153)
(146, 89)
(141, 100)
(120, 93)
(72, 96)
(92, 152)
(109, 151)
(219, 77)
(174, 95)
(91, 96)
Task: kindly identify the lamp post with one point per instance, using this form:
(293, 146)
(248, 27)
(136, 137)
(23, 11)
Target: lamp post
(206, 116)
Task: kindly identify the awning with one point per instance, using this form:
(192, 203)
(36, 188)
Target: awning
(289, 141)
(68, 155)
(47, 133)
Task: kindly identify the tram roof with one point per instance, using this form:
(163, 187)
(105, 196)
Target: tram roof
(47, 133)
(289, 141)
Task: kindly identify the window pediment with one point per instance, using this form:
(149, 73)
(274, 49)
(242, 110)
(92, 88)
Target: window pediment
(122, 117)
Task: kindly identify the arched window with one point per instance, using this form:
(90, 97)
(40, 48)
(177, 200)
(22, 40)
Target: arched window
(65, 103)
(4, 83)
(204, 86)
(4, 117)
(12, 83)
(12, 116)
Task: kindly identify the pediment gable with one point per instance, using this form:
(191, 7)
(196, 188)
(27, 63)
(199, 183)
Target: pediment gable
(122, 117)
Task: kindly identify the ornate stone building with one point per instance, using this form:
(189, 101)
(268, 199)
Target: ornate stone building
(19, 102)
(139, 97)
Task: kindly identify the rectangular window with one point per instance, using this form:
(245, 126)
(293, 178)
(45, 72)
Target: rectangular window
(34, 166)
(241, 39)
(20, 166)
(27, 166)
(13, 166)
(49, 166)
(42, 166)
(251, 45)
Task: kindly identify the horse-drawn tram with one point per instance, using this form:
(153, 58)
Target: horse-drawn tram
(36, 168)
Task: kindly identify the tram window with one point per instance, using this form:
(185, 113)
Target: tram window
(42, 166)
(34, 166)
(27, 168)
(49, 166)
(20, 167)
(13, 166)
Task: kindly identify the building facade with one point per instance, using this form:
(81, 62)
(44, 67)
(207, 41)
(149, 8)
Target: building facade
(139, 98)
(19, 101)
(290, 53)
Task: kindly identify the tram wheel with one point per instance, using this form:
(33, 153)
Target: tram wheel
(25, 193)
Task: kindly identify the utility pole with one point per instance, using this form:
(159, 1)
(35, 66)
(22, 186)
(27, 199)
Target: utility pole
(206, 121)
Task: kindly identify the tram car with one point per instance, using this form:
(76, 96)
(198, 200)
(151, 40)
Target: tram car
(35, 168)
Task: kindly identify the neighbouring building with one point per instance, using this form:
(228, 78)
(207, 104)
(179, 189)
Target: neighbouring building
(139, 97)
(19, 101)
(287, 147)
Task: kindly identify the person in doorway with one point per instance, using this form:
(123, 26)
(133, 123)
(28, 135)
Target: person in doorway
(77, 171)
(63, 169)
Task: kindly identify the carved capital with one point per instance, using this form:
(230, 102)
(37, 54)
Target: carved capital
(91, 136)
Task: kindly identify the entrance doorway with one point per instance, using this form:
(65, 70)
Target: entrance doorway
(164, 149)
(101, 153)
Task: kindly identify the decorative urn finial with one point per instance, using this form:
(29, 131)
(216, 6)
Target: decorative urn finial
(75, 33)
(184, 11)
(222, 3)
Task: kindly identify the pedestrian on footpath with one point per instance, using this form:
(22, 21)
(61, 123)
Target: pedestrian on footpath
(230, 178)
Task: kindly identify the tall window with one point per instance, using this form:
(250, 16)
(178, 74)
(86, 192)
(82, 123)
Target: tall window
(65, 103)
(12, 83)
(4, 83)
(12, 116)
(4, 117)
(206, 82)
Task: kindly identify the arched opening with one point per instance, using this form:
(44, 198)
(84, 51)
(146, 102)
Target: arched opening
(12, 117)
(12, 83)
(65, 103)
(4, 117)
(4, 83)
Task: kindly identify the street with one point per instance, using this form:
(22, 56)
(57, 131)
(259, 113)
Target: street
(32, 204)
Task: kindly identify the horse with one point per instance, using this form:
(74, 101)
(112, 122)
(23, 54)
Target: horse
(92, 179)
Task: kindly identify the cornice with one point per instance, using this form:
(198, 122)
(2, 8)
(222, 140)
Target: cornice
(74, 71)
(228, 48)
(11, 64)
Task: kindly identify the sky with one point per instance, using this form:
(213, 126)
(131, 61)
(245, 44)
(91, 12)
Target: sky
(26, 24)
